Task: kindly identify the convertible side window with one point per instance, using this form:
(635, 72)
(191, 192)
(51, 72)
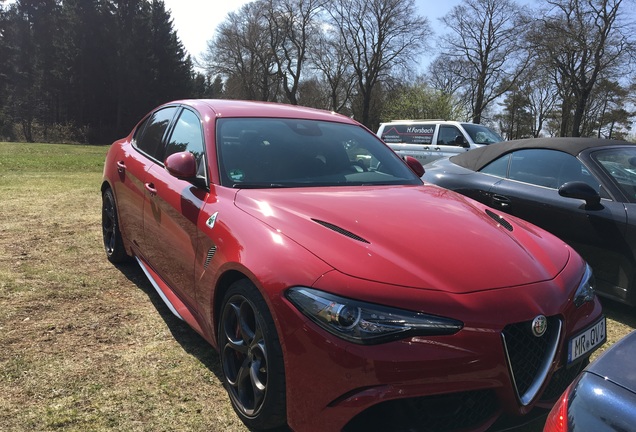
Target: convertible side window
(498, 167)
(151, 140)
(548, 168)
(187, 136)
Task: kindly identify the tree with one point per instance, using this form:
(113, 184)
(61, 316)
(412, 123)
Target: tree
(418, 101)
(330, 59)
(292, 28)
(484, 45)
(379, 37)
(581, 42)
(241, 53)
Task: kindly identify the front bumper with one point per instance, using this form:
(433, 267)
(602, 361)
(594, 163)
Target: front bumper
(447, 383)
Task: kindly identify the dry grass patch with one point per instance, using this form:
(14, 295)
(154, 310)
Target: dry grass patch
(86, 345)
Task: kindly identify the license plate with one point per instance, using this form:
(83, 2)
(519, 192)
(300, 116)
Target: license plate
(587, 341)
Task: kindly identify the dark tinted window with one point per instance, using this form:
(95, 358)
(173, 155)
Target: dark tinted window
(150, 141)
(187, 136)
(449, 135)
(420, 133)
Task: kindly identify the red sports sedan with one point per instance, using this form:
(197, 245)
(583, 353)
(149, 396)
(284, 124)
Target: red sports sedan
(340, 291)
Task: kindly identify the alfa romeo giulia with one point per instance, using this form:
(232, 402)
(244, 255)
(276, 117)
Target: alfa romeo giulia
(340, 291)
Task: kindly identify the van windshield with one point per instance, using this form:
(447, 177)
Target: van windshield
(481, 134)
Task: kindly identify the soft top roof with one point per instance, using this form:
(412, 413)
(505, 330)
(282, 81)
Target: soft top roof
(480, 157)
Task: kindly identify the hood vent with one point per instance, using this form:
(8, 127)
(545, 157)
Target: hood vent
(341, 231)
(500, 220)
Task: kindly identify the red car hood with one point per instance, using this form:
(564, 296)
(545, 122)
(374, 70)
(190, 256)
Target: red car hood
(415, 236)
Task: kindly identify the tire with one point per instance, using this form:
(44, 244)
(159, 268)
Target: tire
(251, 358)
(113, 243)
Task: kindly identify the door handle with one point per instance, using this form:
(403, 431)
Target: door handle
(121, 167)
(501, 201)
(151, 189)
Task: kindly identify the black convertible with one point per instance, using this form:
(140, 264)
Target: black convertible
(581, 189)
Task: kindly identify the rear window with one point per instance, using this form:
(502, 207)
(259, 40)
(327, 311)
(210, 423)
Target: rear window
(421, 133)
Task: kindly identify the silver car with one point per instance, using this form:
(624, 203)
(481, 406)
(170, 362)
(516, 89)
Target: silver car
(428, 140)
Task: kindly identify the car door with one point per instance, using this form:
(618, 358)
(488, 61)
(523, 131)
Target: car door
(172, 207)
(411, 139)
(530, 191)
(133, 165)
(449, 142)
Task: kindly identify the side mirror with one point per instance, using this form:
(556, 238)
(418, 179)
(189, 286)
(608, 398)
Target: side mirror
(181, 165)
(415, 165)
(582, 191)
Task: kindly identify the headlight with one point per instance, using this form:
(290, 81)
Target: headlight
(366, 323)
(585, 291)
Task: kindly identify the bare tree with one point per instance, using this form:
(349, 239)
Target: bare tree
(379, 36)
(485, 43)
(292, 28)
(580, 41)
(330, 60)
(241, 53)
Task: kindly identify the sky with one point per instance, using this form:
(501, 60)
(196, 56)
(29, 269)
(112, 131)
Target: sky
(196, 20)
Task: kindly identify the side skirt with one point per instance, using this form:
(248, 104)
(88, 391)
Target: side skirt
(174, 303)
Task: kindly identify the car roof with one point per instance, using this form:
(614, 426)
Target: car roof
(401, 122)
(478, 158)
(242, 108)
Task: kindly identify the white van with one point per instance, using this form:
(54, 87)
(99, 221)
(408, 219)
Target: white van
(428, 140)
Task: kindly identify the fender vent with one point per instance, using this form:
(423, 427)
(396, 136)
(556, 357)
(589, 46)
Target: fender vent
(211, 253)
(342, 231)
(500, 220)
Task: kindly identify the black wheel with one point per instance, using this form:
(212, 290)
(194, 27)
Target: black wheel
(251, 358)
(113, 243)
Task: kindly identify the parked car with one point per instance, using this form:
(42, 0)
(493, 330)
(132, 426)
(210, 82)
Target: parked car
(429, 140)
(581, 189)
(343, 295)
(603, 397)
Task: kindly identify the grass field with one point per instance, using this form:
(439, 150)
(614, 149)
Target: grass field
(87, 346)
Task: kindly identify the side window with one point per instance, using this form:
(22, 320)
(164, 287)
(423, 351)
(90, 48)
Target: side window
(498, 167)
(187, 136)
(150, 141)
(448, 136)
(548, 168)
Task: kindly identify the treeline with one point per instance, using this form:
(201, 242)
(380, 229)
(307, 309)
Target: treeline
(86, 70)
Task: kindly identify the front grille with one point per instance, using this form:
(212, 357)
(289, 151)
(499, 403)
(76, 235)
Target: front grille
(440, 413)
(529, 357)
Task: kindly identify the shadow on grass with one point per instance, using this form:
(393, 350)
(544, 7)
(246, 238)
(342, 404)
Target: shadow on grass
(620, 312)
(189, 339)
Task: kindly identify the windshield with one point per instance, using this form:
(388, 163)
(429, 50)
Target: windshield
(481, 134)
(620, 164)
(273, 152)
